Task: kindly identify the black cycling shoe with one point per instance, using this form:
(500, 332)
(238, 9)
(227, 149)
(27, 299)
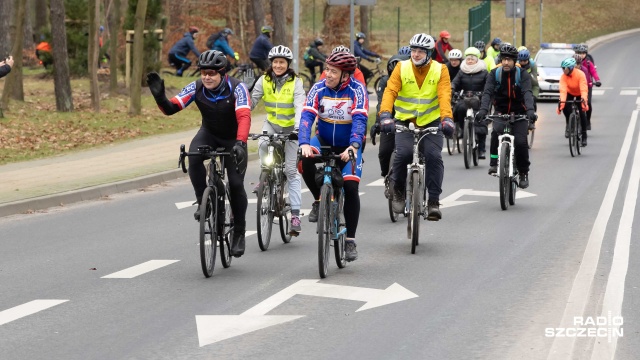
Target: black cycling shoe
(524, 181)
(584, 142)
(351, 253)
(313, 215)
(196, 215)
(482, 155)
(433, 210)
(237, 244)
(493, 169)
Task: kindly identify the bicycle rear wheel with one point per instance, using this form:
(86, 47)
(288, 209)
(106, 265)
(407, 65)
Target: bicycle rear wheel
(285, 211)
(414, 215)
(338, 244)
(306, 82)
(573, 136)
(226, 233)
(208, 230)
(504, 179)
(324, 230)
(467, 144)
(264, 210)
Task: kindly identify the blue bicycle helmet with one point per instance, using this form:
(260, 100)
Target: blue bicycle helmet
(569, 63)
(524, 55)
(404, 51)
(496, 41)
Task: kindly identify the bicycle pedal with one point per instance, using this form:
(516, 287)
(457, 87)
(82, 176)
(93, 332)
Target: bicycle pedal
(495, 175)
(294, 233)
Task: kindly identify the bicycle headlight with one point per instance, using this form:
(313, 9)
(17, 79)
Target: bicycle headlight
(268, 160)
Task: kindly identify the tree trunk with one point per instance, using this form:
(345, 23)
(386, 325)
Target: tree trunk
(279, 20)
(6, 14)
(92, 58)
(28, 27)
(62, 84)
(138, 54)
(41, 22)
(113, 48)
(326, 12)
(258, 15)
(364, 24)
(13, 83)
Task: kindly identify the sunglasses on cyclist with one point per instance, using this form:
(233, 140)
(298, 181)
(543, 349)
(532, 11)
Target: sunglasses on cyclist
(210, 73)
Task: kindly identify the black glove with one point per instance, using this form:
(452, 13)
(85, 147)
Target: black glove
(531, 114)
(375, 129)
(240, 154)
(597, 83)
(387, 124)
(480, 115)
(293, 135)
(156, 84)
(447, 126)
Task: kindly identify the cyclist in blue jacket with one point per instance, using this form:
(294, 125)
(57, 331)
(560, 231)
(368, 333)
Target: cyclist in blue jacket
(341, 104)
(362, 53)
(180, 50)
(259, 53)
(221, 44)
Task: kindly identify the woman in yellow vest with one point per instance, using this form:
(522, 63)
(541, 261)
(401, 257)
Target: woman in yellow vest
(283, 95)
(419, 89)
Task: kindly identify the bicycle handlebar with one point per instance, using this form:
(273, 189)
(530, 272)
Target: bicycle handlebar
(402, 128)
(280, 136)
(504, 118)
(329, 156)
(205, 151)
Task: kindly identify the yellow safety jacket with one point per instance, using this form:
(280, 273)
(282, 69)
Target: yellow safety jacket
(279, 103)
(418, 103)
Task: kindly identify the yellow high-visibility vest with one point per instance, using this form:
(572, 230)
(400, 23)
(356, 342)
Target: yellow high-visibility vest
(279, 104)
(419, 103)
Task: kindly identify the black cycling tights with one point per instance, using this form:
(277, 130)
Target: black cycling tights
(197, 174)
(351, 195)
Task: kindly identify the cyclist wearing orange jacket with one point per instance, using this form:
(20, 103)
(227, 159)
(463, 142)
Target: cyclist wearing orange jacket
(573, 85)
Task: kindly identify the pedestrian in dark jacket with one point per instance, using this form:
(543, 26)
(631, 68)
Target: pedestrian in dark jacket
(314, 58)
(5, 66)
(259, 53)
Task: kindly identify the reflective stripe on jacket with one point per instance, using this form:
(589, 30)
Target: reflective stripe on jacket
(419, 103)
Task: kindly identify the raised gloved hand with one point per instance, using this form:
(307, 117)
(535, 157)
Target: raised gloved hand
(156, 84)
(240, 155)
(293, 135)
(531, 114)
(375, 129)
(447, 127)
(597, 83)
(387, 124)
(480, 115)
(377, 60)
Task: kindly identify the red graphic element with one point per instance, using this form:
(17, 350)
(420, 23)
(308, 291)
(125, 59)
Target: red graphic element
(339, 105)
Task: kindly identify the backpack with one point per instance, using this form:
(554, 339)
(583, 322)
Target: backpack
(307, 56)
(212, 39)
(499, 77)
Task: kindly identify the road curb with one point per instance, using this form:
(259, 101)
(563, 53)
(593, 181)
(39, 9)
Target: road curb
(595, 42)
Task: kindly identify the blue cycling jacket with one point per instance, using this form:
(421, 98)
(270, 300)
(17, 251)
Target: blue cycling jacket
(261, 47)
(184, 45)
(221, 44)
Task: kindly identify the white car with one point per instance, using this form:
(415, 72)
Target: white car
(548, 61)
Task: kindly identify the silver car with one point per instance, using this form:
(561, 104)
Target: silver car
(548, 61)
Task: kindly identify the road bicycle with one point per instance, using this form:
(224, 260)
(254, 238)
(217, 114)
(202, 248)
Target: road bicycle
(216, 216)
(470, 147)
(273, 191)
(415, 200)
(507, 172)
(331, 226)
(575, 127)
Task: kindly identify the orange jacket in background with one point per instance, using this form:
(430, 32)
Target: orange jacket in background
(395, 84)
(574, 84)
(44, 46)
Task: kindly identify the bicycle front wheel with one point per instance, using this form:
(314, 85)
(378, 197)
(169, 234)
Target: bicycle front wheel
(338, 244)
(573, 135)
(467, 144)
(208, 230)
(324, 230)
(285, 211)
(226, 226)
(531, 135)
(389, 190)
(504, 178)
(578, 132)
(450, 145)
(414, 215)
(264, 210)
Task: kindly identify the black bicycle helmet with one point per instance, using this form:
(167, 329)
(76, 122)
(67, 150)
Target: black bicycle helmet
(394, 60)
(318, 42)
(213, 59)
(360, 35)
(480, 45)
(508, 50)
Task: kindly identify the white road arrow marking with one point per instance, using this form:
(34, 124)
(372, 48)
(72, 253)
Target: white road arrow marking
(214, 328)
(26, 309)
(629, 92)
(452, 200)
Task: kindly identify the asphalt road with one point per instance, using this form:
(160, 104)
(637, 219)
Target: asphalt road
(484, 283)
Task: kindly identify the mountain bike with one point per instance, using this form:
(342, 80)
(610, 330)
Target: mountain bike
(575, 128)
(216, 216)
(331, 224)
(189, 73)
(507, 172)
(469, 144)
(273, 191)
(415, 200)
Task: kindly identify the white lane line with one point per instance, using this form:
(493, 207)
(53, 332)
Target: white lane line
(138, 270)
(562, 347)
(597, 92)
(614, 294)
(379, 182)
(185, 204)
(27, 309)
(629, 92)
(629, 87)
(638, 101)
(248, 233)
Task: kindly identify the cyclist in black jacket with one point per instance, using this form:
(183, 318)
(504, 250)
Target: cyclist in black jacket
(225, 105)
(509, 96)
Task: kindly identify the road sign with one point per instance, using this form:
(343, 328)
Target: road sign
(515, 9)
(214, 328)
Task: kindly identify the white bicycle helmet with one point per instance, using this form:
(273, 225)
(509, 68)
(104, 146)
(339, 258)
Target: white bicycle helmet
(340, 48)
(455, 54)
(280, 51)
(422, 41)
